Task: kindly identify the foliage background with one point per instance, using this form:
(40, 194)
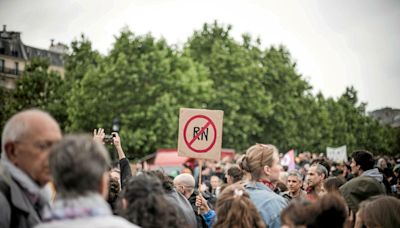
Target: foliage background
(143, 81)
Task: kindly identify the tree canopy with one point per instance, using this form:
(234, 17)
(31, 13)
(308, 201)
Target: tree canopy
(143, 81)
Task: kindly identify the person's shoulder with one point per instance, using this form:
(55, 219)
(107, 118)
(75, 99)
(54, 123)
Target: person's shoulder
(360, 180)
(98, 222)
(4, 174)
(5, 212)
(249, 185)
(284, 193)
(121, 222)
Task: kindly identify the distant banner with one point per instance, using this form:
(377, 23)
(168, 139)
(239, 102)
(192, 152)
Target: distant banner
(288, 160)
(337, 154)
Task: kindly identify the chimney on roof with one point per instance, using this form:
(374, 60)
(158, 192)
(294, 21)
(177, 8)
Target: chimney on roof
(52, 42)
(4, 28)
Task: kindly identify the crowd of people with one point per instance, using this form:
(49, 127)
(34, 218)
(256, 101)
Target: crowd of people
(51, 180)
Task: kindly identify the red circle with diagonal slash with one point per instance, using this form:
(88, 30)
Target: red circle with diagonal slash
(189, 144)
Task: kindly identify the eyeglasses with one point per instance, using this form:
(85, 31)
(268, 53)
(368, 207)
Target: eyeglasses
(40, 145)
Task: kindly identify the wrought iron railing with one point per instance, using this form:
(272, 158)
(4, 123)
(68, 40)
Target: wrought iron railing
(7, 70)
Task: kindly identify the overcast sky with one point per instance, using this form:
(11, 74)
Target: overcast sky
(335, 43)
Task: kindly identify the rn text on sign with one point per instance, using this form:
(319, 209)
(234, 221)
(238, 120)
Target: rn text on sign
(200, 133)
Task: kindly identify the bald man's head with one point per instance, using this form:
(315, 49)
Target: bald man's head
(184, 183)
(26, 141)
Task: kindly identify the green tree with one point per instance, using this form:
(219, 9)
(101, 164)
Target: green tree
(4, 106)
(81, 58)
(143, 82)
(234, 68)
(290, 100)
(39, 88)
(351, 126)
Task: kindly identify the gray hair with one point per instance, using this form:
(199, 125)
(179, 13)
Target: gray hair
(18, 125)
(295, 173)
(321, 170)
(77, 165)
(185, 179)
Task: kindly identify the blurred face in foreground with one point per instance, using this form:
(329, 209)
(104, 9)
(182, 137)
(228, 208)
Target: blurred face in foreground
(274, 171)
(30, 153)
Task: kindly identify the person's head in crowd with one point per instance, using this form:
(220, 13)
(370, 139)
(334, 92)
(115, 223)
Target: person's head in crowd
(294, 182)
(79, 167)
(359, 189)
(176, 199)
(316, 175)
(115, 173)
(262, 162)
(361, 161)
(323, 162)
(187, 171)
(235, 209)
(26, 142)
(298, 213)
(234, 174)
(218, 168)
(215, 182)
(342, 170)
(314, 156)
(380, 211)
(329, 211)
(331, 185)
(283, 176)
(335, 169)
(184, 183)
(205, 186)
(166, 181)
(113, 192)
(382, 164)
(228, 160)
(206, 170)
(280, 187)
(396, 170)
(144, 204)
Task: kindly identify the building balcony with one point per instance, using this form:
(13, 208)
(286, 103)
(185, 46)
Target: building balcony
(11, 71)
(8, 76)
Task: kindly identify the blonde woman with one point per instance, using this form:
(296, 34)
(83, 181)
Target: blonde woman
(262, 162)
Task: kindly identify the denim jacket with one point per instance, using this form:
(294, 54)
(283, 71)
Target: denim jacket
(268, 203)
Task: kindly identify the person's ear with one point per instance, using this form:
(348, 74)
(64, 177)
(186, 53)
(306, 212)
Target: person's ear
(267, 170)
(181, 189)
(11, 152)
